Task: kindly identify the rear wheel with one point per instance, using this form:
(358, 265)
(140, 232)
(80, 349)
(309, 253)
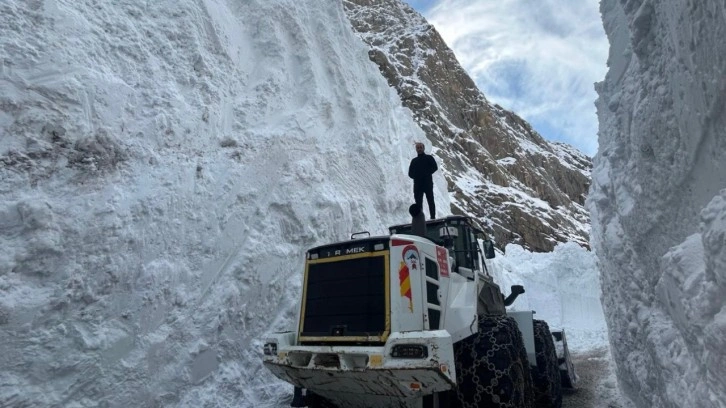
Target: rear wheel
(546, 376)
(492, 368)
(567, 369)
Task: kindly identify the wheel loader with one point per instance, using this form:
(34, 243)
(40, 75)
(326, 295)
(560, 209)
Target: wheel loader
(417, 321)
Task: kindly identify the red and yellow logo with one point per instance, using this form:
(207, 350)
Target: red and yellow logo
(410, 263)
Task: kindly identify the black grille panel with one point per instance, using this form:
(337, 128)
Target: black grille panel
(434, 319)
(346, 298)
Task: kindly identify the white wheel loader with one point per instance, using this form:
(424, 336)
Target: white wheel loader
(416, 321)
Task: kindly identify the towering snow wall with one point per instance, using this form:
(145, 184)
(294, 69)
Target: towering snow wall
(163, 166)
(658, 202)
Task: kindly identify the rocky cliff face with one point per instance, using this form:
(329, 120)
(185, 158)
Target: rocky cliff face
(499, 170)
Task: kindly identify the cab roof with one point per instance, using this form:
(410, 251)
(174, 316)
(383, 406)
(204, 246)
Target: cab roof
(451, 219)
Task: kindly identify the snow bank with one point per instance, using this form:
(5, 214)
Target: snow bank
(657, 199)
(562, 287)
(164, 165)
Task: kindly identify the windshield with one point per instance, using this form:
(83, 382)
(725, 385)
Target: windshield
(454, 234)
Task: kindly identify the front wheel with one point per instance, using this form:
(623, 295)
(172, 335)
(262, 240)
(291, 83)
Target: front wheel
(307, 398)
(492, 368)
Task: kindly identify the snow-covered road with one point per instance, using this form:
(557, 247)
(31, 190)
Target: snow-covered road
(597, 387)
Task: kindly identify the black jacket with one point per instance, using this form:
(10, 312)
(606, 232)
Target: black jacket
(421, 169)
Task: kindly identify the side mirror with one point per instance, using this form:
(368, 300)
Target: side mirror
(489, 249)
(516, 291)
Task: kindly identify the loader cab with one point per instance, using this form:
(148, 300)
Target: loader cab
(458, 234)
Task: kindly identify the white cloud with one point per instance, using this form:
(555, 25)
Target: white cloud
(539, 58)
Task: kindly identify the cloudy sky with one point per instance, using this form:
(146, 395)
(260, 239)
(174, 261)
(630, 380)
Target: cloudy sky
(538, 58)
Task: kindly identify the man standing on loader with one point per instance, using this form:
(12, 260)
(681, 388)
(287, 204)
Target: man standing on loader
(421, 169)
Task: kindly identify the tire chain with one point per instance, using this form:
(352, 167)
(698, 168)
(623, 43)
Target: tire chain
(546, 377)
(490, 366)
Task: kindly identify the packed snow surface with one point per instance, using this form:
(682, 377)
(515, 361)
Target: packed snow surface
(658, 200)
(562, 287)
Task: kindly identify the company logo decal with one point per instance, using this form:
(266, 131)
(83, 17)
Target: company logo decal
(443, 260)
(411, 263)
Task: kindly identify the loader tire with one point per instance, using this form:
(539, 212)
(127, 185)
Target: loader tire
(546, 376)
(567, 369)
(492, 368)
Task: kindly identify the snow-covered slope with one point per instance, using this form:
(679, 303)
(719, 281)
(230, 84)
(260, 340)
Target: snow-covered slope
(658, 201)
(162, 166)
(562, 286)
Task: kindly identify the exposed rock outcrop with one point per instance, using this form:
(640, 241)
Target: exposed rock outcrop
(499, 170)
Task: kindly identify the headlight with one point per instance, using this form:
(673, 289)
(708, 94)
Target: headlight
(270, 349)
(409, 351)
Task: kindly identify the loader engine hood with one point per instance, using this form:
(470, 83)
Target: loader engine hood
(346, 293)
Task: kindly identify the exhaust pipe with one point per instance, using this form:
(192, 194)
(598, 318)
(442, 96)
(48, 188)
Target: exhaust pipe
(418, 220)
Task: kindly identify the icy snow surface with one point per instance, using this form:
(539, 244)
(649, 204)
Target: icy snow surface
(658, 202)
